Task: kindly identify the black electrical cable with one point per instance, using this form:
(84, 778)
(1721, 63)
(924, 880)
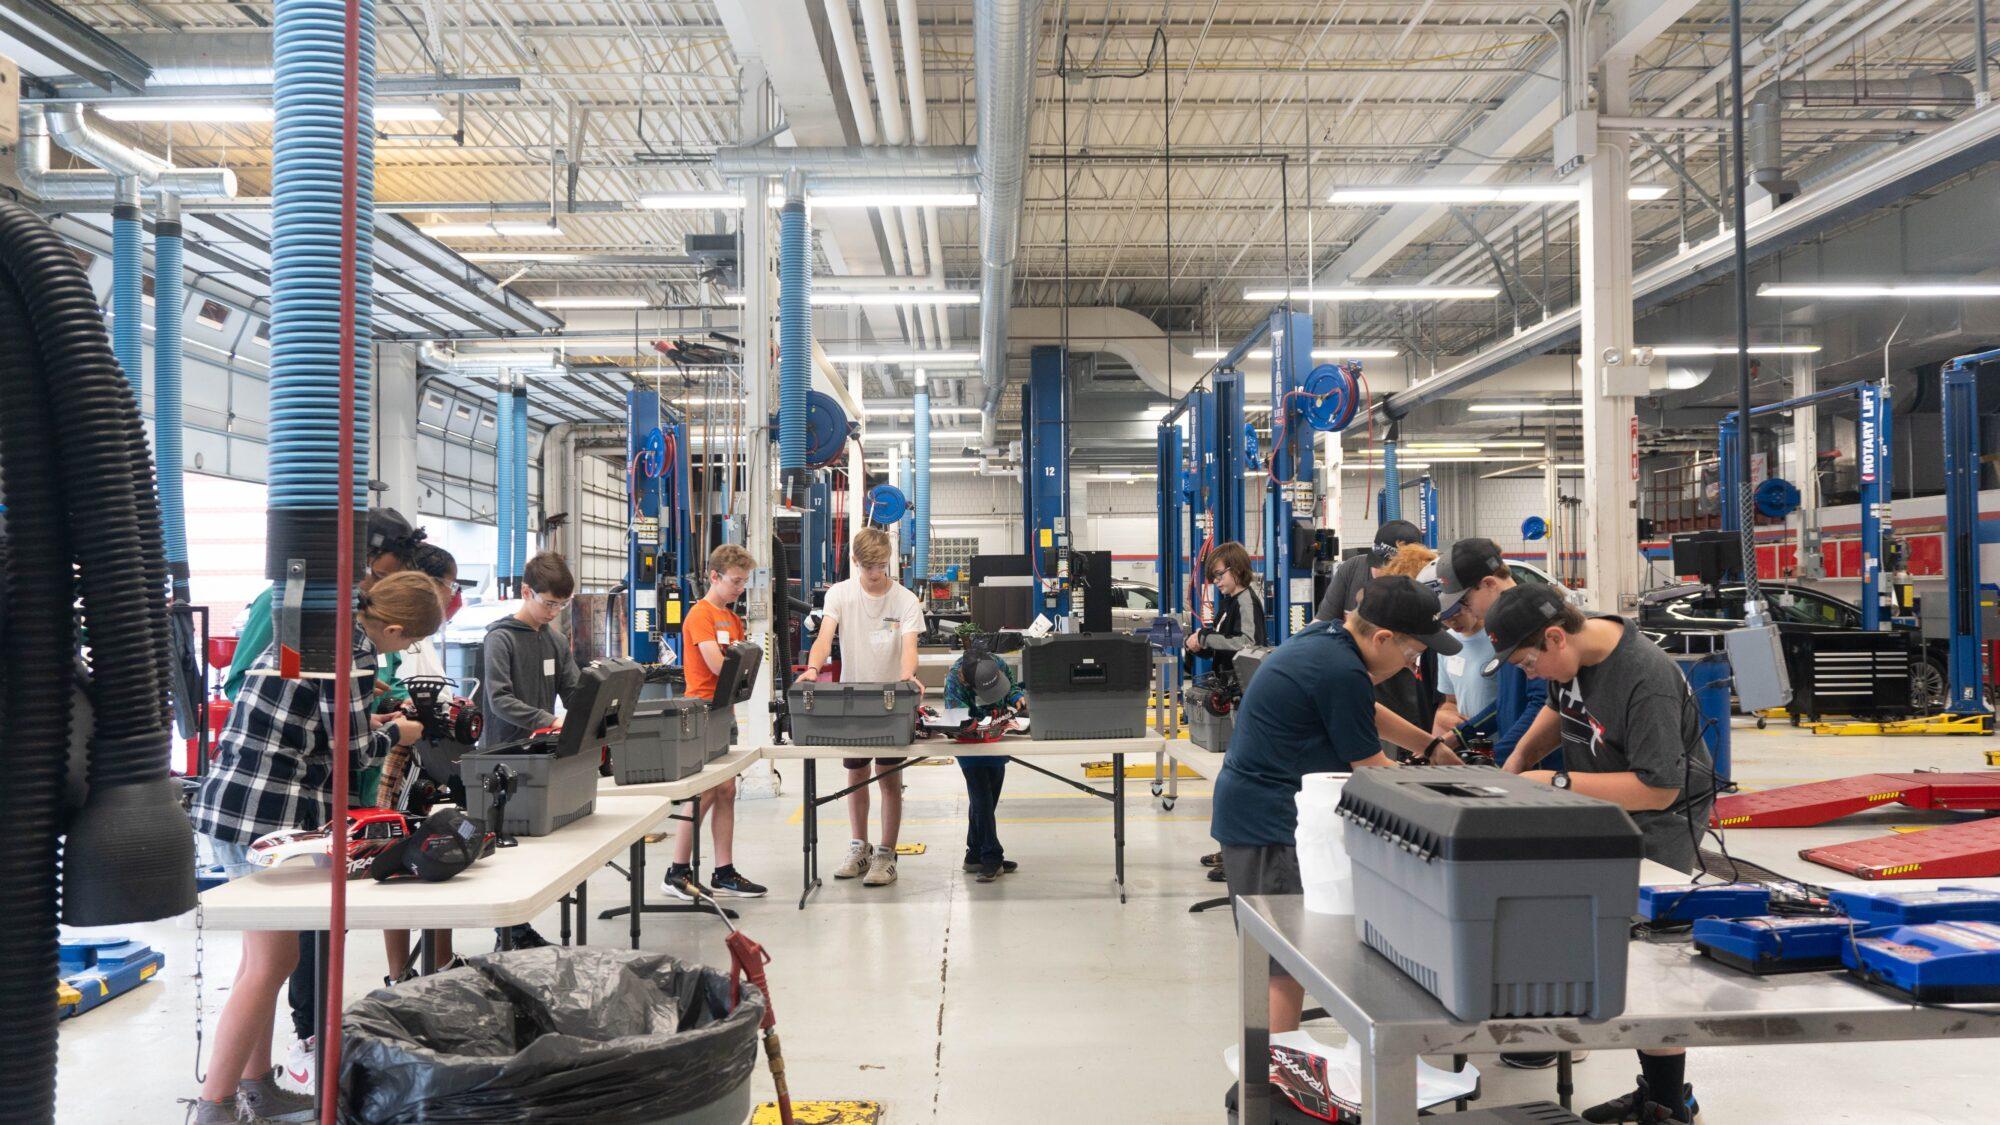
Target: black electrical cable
(40, 591)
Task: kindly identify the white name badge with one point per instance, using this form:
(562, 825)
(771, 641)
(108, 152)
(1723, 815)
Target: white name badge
(549, 666)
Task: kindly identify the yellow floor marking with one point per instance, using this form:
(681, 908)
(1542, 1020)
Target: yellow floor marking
(822, 1113)
(909, 849)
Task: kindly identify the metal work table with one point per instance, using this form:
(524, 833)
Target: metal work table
(1013, 749)
(1673, 999)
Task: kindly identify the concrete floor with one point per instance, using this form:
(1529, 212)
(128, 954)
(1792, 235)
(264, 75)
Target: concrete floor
(1040, 998)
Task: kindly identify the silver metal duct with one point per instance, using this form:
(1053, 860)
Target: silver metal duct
(205, 59)
(880, 163)
(1764, 123)
(1003, 49)
(156, 177)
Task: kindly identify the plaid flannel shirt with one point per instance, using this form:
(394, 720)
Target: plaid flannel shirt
(275, 765)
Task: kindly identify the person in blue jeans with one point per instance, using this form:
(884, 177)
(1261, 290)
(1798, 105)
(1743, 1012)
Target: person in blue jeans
(981, 683)
(1471, 576)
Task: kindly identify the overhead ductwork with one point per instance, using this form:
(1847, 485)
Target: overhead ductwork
(1764, 121)
(67, 128)
(1003, 49)
(208, 59)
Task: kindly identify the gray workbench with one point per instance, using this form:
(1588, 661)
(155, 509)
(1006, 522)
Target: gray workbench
(1673, 999)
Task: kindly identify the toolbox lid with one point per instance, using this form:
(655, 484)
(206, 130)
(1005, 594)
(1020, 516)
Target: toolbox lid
(1481, 814)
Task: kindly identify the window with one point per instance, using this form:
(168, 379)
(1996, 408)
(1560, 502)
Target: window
(262, 333)
(213, 313)
(1805, 607)
(1708, 610)
(1138, 597)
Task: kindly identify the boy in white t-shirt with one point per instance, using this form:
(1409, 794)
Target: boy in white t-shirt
(878, 623)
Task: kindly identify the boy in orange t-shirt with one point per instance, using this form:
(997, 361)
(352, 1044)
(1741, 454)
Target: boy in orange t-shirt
(709, 626)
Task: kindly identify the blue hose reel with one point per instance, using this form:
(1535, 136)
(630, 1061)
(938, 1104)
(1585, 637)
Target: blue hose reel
(652, 459)
(1776, 498)
(1533, 528)
(1332, 396)
(827, 429)
(886, 504)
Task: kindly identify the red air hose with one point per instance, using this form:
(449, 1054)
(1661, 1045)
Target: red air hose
(343, 620)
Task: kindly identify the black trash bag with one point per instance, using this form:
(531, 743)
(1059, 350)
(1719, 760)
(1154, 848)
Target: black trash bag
(549, 1035)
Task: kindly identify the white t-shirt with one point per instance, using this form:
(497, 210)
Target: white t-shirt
(871, 630)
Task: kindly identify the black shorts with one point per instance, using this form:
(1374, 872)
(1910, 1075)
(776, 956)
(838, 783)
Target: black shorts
(1267, 869)
(862, 763)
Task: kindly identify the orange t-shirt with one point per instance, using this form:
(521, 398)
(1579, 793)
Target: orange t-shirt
(705, 622)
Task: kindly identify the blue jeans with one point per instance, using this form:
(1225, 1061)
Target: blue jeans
(984, 776)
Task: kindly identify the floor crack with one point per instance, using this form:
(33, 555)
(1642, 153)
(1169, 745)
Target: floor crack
(944, 983)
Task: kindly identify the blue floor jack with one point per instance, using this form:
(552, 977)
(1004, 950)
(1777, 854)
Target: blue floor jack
(99, 969)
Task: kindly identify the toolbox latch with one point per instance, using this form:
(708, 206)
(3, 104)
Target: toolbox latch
(888, 699)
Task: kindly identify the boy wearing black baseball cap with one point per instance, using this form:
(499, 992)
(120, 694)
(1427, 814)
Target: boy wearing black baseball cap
(1631, 735)
(1311, 709)
(1354, 573)
(1472, 574)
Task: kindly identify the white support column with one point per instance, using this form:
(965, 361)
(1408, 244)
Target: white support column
(1805, 456)
(1611, 381)
(1552, 513)
(759, 494)
(857, 467)
(395, 445)
(1332, 484)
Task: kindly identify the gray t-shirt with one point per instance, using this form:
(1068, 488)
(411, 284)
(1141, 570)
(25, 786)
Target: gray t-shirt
(1633, 711)
(1344, 588)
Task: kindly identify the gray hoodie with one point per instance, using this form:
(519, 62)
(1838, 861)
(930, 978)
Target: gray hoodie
(526, 670)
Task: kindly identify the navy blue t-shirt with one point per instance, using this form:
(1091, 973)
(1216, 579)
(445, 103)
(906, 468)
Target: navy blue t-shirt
(1310, 709)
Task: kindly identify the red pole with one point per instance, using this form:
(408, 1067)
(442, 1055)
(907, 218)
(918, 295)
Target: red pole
(343, 621)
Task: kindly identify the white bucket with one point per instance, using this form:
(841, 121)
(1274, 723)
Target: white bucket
(1323, 865)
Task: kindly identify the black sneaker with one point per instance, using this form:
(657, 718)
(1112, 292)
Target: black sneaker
(679, 882)
(730, 883)
(1007, 867)
(408, 974)
(522, 936)
(1212, 859)
(1215, 875)
(1283, 1112)
(1528, 1060)
(1639, 1106)
(988, 872)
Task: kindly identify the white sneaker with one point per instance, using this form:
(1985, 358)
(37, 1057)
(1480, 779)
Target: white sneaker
(881, 868)
(856, 863)
(301, 1070)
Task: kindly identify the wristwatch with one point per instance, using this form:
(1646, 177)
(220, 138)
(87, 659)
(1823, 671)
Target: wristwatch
(1560, 780)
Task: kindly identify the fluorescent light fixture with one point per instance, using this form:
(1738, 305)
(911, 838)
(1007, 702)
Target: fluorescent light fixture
(1525, 407)
(1435, 446)
(692, 201)
(593, 302)
(1379, 293)
(1483, 193)
(148, 111)
(554, 256)
(495, 229)
(907, 412)
(835, 298)
(933, 359)
(1849, 290)
(1673, 350)
(1375, 467)
(1317, 353)
(505, 359)
(887, 199)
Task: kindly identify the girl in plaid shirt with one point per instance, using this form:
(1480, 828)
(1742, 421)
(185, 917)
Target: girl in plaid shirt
(274, 772)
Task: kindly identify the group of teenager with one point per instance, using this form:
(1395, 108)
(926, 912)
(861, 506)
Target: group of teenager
(1433, 653)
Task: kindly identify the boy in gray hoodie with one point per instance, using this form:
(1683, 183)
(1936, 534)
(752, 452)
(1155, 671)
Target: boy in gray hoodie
(528, 667)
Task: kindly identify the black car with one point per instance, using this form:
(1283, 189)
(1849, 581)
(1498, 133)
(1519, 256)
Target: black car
(1668, 613)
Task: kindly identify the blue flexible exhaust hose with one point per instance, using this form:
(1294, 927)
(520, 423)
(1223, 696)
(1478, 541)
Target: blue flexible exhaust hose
(794, 336)
(503, 489)
(907, 529)
(920, 550)
(1392, 484)
(308, 56)
(169, 302)
(127, 329)
(522, 539)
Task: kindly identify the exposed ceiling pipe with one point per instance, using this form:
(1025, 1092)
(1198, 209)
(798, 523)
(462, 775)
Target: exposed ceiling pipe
(904, 236)
(844, 47)
(155, 176)
(920, 135)
(850, 162)
(1003, 38)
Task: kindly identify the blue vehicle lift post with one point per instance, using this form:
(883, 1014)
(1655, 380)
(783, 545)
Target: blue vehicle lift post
(1045, 478)
(1876, 436)
(658, 539)
(1960, 410)
(1288, 603)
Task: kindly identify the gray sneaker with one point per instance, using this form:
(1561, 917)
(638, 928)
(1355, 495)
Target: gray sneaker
(856, 863)
(881, 868)
(211, 1113)
(262, 1099)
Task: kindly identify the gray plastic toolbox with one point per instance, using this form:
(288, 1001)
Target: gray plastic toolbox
(721, 733)
(665, 737)
(1501, 896)
(550, 790)
(1207, 729)
(860, 714)
(1087, 685)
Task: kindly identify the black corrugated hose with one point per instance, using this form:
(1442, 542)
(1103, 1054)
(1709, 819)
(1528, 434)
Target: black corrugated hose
(128, 855)
(40, 640)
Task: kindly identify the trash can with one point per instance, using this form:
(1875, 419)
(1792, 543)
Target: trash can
(554, 1035)
(1709, 678)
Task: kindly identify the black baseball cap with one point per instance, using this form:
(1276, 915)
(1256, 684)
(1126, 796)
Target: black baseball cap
(1403, 605)
(444, 844)
(1462, 565)
(1519, 618)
